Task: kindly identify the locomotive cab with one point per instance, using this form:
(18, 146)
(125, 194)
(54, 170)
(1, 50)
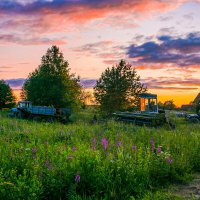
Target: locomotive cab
(148, 103)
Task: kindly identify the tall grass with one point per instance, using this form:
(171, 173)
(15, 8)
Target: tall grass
(101, 161)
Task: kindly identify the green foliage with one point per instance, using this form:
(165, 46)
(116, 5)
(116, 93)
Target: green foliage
(114, 160)
(169, 105)
(118, 88)
(52, 83)
(7, 99)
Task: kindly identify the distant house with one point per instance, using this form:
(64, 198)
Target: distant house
(191, 106)
(187, 107)
(197, 99)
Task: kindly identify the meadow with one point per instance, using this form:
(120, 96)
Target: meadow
(81, 160)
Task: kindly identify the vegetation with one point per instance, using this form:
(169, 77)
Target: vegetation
(118, 88)
(7, 99)
(106, 161)
(168, 105)
(52, 83)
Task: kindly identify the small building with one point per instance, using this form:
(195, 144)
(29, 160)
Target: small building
(197, 99)
(187, 107)
(191, 106)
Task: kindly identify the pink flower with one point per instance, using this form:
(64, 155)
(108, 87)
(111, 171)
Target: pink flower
(77, 178)
(104, 143)
(134, 147)
(119, 143)
(169, 159)
(159, 149)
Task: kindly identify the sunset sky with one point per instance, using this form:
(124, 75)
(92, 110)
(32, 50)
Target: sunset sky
(160, 38)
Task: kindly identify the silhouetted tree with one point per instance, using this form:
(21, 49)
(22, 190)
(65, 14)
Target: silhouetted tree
(51, 84)
(169, 105)
(160, 105)
(118, 88)
(7, 99)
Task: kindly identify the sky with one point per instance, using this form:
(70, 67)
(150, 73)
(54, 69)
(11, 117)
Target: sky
(160, 38)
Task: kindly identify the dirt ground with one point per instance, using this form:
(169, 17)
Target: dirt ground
(188, 191)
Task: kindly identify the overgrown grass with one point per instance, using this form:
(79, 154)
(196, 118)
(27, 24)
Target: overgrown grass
(94, 161)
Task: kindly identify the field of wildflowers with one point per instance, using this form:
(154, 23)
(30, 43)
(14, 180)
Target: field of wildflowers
(106, 161)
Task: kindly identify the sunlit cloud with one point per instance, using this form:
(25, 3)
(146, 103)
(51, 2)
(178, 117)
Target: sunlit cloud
(41, 16)
(181, 51)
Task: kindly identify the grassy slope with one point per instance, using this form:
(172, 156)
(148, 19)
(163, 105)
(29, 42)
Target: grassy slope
(44, 161)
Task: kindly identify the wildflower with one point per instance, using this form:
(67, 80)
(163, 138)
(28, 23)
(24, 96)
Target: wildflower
(152, 145)
(152, 148)
(134, 147)
(94, 144)
(94, 141)
(50, 167)
(77, 178)
(34, 150)
(47, 163)
(169, 159)
(74, 149)
(70, 157)
(159, 149)
(152, 142)
(104, 142)
(119, 143)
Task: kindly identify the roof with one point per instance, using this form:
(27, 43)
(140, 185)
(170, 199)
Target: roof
(148, 95)
(197, 98)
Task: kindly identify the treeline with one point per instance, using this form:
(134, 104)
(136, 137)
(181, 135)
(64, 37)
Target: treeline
(53, 84)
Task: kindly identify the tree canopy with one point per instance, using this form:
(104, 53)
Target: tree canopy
(118, 88)
(51, 84)
(7, 99)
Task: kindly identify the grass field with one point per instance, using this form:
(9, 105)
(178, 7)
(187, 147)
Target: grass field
(81, 160)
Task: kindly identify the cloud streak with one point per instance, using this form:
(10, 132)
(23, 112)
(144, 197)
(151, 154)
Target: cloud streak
(42, 16)
(169, 50)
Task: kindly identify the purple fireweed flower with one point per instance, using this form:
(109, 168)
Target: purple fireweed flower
(47, 163)
(151, 141)
(104, 143)
(134, 147)
(77, 178)
(50, 167)
(34, 150)
(74, 149)
(159, 149)
(169, 159)
(94, 142)
(119, 143)
(152, 148)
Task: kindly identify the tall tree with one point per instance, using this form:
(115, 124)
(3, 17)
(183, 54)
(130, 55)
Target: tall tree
(118, 88)
(169, 105)
(51, 84)
(7, 99)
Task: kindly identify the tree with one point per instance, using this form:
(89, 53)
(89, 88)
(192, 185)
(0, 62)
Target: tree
(7, 99)
(169, 105)
(160, 105)
(118, 88)
(51, 84)
(86, 98)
